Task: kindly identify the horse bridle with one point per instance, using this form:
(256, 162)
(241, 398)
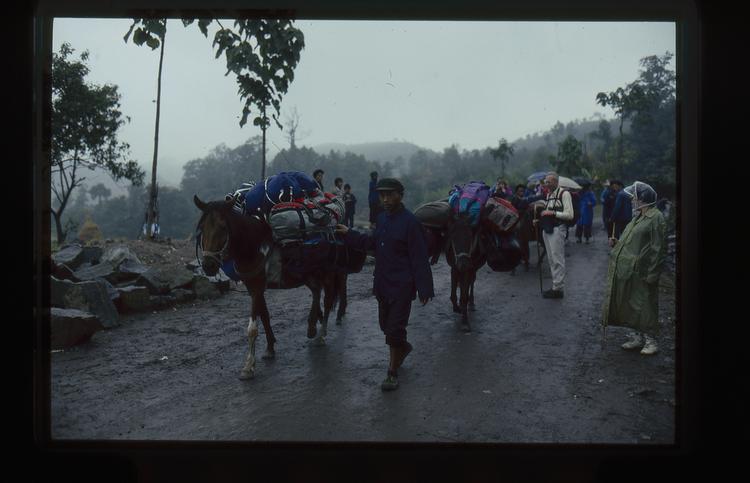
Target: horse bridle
(461, 254)
(222, 255)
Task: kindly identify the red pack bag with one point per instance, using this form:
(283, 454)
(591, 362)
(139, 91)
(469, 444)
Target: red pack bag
(501, 215)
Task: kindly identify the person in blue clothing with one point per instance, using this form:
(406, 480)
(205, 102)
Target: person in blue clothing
(374, 200)
(586, 219)
(622, 212)
(608, 203)
(402, 269)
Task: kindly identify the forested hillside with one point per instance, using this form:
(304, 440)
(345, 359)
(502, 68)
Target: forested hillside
(638, 143)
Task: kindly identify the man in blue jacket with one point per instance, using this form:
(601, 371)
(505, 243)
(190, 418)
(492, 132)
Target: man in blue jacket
(402, 270)
(622, 212)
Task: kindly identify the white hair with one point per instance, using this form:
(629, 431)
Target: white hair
(554, 175)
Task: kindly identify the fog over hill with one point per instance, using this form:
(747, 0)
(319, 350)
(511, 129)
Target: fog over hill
(396, 152)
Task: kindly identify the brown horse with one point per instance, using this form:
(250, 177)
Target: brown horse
(223, 235)
(465, 252)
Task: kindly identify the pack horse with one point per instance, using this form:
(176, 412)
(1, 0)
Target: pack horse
(244, 245)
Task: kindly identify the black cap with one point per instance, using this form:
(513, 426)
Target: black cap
(389, 184)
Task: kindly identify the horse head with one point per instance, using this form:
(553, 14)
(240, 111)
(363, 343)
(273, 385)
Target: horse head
(213, 233)
(460, 238)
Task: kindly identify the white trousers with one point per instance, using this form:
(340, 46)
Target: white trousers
(555, 244)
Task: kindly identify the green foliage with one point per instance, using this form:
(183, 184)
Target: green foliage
(85, 121)
(503, 152)
(221, 171)
(100, 191)
(647, 152)
(147, 31)
(569, 154)
(263, 54)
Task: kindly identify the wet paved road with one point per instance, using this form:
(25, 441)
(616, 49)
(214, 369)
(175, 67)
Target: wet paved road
(532, 371)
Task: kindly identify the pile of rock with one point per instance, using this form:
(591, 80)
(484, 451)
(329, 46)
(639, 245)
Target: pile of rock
(91, 286)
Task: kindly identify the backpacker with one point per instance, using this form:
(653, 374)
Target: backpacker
(469, 198)
(501, 215)
(434, 214)
(503, 252)
(575, 199)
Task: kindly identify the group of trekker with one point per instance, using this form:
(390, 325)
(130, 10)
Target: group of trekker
(637, 236)
(402, 267)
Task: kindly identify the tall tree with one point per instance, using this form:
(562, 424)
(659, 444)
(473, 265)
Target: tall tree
(503, 152)
(263, 54)
(291, 123)
(153, 33)
(100, 191)
(649, 102)
(569, 153)
(85, 121)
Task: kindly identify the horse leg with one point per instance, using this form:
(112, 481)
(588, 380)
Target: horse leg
(464, 302)
(316, 315)
(472, 307)
(248, 371)
(260, 309)
(312, 318)
(270, 352)
(454, 286)
(341, 286)
(329, 299)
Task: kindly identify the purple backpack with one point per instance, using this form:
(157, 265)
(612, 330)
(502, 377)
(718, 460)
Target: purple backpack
(469, 198)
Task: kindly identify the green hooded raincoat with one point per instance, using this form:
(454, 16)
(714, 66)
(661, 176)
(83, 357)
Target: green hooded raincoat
(633, 275)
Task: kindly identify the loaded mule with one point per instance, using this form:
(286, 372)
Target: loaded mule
(243, 246)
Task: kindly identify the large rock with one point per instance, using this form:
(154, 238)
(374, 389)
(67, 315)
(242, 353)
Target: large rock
(162, 280)
(71, 255)
(90, 296)
(134, 299)
(114, 295)
(131, 270)
(69, 327)
(63, 272)
(103, 270)
(116, 254)
(205, 289)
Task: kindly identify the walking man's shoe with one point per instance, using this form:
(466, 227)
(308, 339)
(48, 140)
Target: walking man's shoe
(552, 294)
(635, 341)
(390, 383)
(650, 347)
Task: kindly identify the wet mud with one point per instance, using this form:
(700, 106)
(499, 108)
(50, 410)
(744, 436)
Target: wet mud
(532, 370)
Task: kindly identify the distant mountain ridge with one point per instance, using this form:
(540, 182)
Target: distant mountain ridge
(381, 152)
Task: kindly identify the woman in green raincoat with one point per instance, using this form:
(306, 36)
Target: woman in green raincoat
(633, 275)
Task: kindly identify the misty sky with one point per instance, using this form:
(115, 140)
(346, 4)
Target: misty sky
(426, 82)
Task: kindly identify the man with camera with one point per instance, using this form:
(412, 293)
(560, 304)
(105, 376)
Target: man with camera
(558, 208)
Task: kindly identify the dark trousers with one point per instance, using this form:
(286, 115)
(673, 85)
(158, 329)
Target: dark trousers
(393, 316)
(584, 230)
(349, 218)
